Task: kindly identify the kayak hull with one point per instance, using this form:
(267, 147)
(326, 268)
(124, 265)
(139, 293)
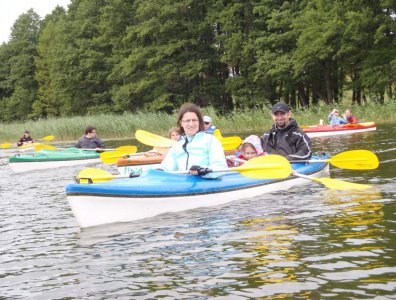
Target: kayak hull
(156, 192)
(47, 159)
(328, 130)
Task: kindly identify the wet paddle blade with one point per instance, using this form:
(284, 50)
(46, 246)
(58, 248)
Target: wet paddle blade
(43, 146)
(48, 138)
(129, 149)
(5, 145)
(336, 184)
(93, 175)
(265, 167)
(152, 139)
(231, 142)
(112, 156)
(355, 160)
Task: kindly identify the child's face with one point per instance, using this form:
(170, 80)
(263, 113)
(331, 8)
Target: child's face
(175, 135)
(249, 152)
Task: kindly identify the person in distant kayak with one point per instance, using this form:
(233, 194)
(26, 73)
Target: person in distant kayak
(335, 119)
(349, 116)
(196, 152)
(250, 148)
(26, 138)
(210, 128)
(89, 140)
(285, 137)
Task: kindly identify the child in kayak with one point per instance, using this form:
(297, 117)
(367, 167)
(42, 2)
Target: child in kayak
(335, 119)
(250, 148)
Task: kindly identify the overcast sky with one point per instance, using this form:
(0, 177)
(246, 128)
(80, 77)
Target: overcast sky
(10, 10)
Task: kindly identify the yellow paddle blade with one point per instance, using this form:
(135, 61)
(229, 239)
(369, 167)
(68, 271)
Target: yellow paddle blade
(43, 146)
(152, 139)
(355, 160)
(336, 184)
(129, 149)
(48, 138)
(265, 167)
(217, 134)
(92, 175)
(231, 142)
(5, 145)
(111, 157)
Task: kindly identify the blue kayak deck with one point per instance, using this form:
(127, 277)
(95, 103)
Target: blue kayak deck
(163, 184)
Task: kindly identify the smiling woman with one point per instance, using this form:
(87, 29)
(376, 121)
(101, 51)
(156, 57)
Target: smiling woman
(196, 151)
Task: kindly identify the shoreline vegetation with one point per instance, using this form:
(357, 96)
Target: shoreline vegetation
(112, 126)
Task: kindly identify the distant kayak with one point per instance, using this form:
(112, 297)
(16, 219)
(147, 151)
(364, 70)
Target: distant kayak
(138, 162)
(46, 159)
(327, 130)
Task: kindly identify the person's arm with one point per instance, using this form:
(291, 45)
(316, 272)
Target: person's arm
(303, 147)
(217, 160)
(169, 163)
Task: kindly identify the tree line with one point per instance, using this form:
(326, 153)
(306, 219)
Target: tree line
(115, 56)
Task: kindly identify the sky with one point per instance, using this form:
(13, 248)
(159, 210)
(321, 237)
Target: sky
(10, 10)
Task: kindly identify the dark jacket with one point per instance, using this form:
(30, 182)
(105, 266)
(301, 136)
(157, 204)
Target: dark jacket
(91, 143)
(290, 142)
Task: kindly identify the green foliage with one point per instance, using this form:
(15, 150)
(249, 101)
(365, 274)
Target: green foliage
(116, 56)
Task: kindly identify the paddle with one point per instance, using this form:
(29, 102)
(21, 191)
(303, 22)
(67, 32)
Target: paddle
(262, 167)
(46, 138)
(112, 156)
(352, 160)
(335, 184)
(122, 148)
(154, 140)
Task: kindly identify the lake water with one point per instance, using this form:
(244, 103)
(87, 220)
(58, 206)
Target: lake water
(306, 243)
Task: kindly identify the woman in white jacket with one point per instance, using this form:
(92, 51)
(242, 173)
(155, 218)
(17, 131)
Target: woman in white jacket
(197, 151)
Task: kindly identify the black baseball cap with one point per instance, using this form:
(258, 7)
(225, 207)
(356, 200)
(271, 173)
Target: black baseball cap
(280, 107)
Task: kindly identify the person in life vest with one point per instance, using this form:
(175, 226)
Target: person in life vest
(349, 116)
(210, 128)
(250, 148)
(26, 138)
(285, 137)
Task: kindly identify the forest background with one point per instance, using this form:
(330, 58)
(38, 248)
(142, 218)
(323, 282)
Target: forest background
(112, 58)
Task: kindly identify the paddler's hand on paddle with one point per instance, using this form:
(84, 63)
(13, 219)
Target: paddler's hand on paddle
(197, 170)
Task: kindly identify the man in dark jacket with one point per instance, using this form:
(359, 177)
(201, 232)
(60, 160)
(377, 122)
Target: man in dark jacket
(286, 138)
(89, 140)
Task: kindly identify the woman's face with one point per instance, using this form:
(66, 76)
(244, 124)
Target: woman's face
(190, 123)
(175, 135)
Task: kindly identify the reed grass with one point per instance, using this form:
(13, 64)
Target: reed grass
(111, 126)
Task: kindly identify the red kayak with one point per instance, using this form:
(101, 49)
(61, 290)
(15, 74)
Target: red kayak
(326, 130)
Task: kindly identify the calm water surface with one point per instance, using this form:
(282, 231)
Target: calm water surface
(306, 243)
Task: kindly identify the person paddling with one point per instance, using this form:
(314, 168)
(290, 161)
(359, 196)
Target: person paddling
(90, 141)
(26, 138)
(196, 151)
(286, 138)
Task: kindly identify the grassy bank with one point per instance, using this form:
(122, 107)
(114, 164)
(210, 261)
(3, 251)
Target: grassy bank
(124, 126)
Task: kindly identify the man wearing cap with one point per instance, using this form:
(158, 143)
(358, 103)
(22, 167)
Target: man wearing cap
(285, 137)
(210, 128)
(26, 138)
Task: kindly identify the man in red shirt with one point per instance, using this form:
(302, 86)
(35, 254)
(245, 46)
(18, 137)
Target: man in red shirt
(349, 117)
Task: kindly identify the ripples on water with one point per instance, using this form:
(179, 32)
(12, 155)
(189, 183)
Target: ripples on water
(309, 242)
